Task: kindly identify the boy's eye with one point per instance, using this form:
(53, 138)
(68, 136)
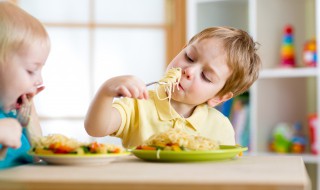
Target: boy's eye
(188, 58)
(30, 72)
(205, 78)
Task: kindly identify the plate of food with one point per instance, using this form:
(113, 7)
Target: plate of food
(61, 150)
(178, 146)
(224, 152)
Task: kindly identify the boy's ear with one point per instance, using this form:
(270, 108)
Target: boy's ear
(217, 100)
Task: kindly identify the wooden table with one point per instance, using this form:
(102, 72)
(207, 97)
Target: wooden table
(244, 173)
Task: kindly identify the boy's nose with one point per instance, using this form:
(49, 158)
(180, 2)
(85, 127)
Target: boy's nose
(187, 72)
(38, 82)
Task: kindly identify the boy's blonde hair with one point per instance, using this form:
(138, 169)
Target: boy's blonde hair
(242, 57)
(18, 29)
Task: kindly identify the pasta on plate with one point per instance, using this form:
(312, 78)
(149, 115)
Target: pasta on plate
(178, 140)
(60, 144)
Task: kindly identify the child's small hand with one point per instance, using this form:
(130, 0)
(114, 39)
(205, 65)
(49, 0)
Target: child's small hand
(125, 86)
(24, 111)
(10, 133)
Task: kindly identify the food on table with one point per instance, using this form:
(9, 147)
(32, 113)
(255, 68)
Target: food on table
(60, 144)
(178, 140)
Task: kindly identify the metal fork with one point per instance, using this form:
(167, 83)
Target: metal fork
(24, 113)
(155, 82)
(3, 152)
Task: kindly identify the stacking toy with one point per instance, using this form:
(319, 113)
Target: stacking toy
(287, 48)
(310, 53)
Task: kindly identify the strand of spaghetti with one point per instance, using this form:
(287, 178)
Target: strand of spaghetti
(170, 80)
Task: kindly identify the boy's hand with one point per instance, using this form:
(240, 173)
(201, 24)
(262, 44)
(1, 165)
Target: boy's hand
(125, 86)
(10, 133)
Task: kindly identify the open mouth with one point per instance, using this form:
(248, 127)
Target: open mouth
(19, 102)
(23, 99)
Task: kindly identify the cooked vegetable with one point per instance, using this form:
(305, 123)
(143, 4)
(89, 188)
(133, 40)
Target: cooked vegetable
(178, 140)
(60, 144)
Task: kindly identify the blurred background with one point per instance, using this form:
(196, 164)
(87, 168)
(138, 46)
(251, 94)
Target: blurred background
(93, 40)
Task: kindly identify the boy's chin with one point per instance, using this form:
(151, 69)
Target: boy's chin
(7, 109)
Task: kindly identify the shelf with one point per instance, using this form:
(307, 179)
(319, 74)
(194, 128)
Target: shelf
(280, 95)
(288, 73)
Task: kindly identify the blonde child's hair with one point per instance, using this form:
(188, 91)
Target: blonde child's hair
(18, 29)
(242, 57)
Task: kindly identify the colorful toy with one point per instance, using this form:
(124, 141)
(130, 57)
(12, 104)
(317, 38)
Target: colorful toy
(281, 138)
(310, 53)
(287, 48)
(287, 138)
(298, 140)
(313, 128)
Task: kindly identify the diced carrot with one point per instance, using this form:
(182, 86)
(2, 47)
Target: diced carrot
(94, 147)
(54, 146)
(148, 147)
(116, 150)
(63, 149)
(58, 148)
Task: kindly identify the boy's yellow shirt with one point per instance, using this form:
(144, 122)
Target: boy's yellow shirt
(143, 118)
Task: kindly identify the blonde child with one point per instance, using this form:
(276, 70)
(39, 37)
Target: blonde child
(217, 64)
(24, 48)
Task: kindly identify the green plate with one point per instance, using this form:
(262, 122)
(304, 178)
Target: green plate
(224, 153)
